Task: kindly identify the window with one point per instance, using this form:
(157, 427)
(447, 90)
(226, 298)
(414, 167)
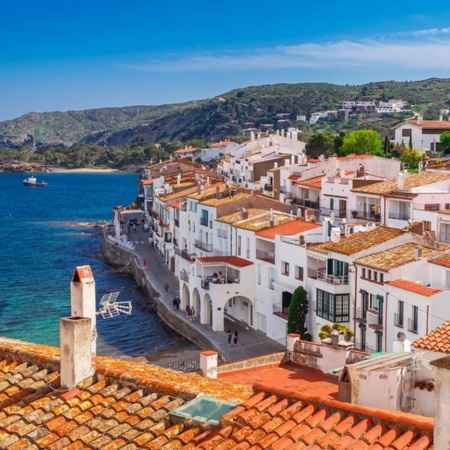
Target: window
(363, 273)
(299, 273)
(204, 218)
(248, 248)
(258, 273)
(375, 276)
(271, 278)
(398, 316)
(284, 268)
(426, 225)
(406, 132)
(335, 308)
(193, 206)
(369, 274)
(381, 277)
(239, 246)
(413, 322)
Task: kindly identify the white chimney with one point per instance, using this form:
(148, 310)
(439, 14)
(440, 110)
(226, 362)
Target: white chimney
(441, 435)
(76, 357)
(401, 344)
(440, 118)
(252, 136)
(178, 179)
(82, 299)
(419, 119)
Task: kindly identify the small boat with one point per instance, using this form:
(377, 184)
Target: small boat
(32, 181)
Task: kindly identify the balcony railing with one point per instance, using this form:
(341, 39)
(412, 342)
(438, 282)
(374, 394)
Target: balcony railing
(265, 256)
(205, 285)
(184, 276)
(337, 213)
(373, 319)
(399, 216)
(185, 255)
(306, 203)
(360, 315)
(398, 320)
(203, 246)
(279, 311)
(330, 278)
(366, 215)
(222, 234)
(413, 326)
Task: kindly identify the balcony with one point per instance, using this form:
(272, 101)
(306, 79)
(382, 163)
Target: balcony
(399, 216)
(203, 246)
(366, 215)
(331, 279)
(222, 234)
(413, 326)
(184, 276)
(398, 320)
(279, 311)
(265, 256)
(204, 221)
(373, 319)
(185, 255)
(337, 213)
(360, 315)
(306, 203)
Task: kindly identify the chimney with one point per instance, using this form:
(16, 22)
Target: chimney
(178, 179)
(400, 181)
(401, 344)
(419, 119)
(432, 235)
(76, 357)
(418, 252)
(199, 188)
(440, 118)
(335, 337)
(217, 191)
(82, 299)
(244, 213)
(441, 435)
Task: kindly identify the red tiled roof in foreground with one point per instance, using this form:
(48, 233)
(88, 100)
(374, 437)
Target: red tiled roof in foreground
(233, 260)
(412, 286)
(288, 229)
(437, 341)
(126, 405)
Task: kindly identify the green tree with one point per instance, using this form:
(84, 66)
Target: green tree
(444, 141)
(387, 145)
(326, 331)
(362, 141)
(411, 158)
(320, 143)
(298, 309)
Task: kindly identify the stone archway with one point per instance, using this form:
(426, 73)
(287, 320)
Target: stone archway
(195, 302)
(184, 296)
(206, 309)
(241, 308)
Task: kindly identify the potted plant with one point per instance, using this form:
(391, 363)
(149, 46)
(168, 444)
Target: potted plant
(302, 239)
(377, 217)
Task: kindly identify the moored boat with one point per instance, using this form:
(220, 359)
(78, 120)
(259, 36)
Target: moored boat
(32, 181)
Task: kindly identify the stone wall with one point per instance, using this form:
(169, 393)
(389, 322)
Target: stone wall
(274, 359)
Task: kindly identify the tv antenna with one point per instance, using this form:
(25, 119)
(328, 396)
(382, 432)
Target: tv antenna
(109, 307)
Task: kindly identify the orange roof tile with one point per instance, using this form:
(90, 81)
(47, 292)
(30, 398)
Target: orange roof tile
(437, 341)
(443, 261)
(396, 257)
(411, 181)
(412, 286)
(288, 229)
(294, 177)
(315, 182)
(186, 150)
(232, 260)
(437, 124)
(357, 242)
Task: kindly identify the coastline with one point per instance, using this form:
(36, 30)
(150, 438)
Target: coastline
(85, 170)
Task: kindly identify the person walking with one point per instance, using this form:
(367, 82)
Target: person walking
(166, 288)
(229, 336)
(235, 338)
(178, 303)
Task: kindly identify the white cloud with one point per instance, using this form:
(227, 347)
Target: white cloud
(422, 49)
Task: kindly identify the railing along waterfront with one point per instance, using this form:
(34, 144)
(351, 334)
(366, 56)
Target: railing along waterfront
(252, 351)
(182, 365)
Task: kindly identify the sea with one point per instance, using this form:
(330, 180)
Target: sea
(44, 237)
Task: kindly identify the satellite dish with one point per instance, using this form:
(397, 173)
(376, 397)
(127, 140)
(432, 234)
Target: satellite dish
(111, 308)
(401, 336)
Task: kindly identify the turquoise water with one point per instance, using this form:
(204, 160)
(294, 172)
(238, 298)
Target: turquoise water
(42, 243)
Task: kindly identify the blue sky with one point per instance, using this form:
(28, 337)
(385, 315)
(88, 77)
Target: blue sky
(67, 55)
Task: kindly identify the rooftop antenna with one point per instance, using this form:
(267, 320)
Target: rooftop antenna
(109, 307)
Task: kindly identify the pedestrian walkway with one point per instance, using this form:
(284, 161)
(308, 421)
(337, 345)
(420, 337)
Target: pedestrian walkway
(158, 274)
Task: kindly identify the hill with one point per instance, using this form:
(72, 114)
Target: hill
(225, 115)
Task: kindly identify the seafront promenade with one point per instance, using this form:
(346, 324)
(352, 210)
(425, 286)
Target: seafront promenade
(158, 274)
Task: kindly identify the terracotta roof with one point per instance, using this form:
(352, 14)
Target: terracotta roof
(127, 405)
(411, 181)
(221, 144)
(223, 201)
(294, 177)
(179, 194)
(412, 286)
(124, 405)
(146, 182)
(396, 257)
(363, 240)
(445, 211)
(439, 124)
(210, 190)
(280, 419)
(315, 182)
(261, 223)
(437, 341)
(232, 260)
(443, 261)
(237, 216)
(177, 204)
(288, 229)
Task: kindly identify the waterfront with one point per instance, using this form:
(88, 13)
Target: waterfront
(43, 242)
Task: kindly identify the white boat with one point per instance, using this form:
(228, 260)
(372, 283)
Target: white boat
(32, 181)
